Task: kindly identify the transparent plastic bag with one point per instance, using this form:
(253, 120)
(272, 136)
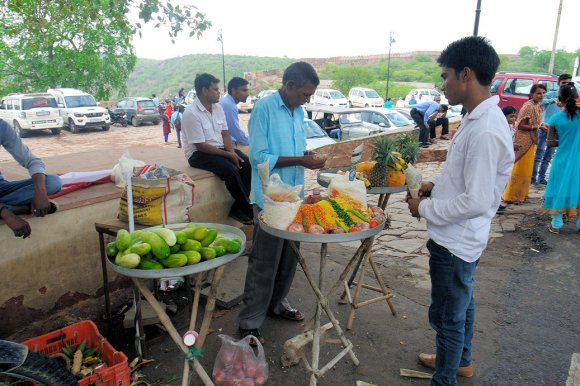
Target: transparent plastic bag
(355, 189)
(237, 364)
(123, 168)
(281, 202)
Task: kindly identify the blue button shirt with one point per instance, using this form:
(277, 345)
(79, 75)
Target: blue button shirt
(275, 132)
(10, 141)
(231, 111)
(427, 108)
(550, 107)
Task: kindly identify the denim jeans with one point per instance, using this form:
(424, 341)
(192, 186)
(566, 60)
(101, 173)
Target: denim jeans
(542, 158)
(452, 312)
(21, 193)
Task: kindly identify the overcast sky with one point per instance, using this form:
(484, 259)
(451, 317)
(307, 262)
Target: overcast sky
(326, 28)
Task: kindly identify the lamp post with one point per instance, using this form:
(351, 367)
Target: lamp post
(391, 41)
(221, 40)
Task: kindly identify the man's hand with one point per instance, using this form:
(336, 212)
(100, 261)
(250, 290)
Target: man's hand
(40, 204)
(236, 159)
(544, 127)
(413, 204)
(19, 226)
(313, 162)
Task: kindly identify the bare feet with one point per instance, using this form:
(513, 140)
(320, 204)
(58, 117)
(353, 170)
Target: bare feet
(20, 227)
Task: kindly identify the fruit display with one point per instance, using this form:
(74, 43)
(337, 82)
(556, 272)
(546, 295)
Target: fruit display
(166, 248)
(338, 213)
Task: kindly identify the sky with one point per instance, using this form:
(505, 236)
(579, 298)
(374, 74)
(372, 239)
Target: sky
(327, 28)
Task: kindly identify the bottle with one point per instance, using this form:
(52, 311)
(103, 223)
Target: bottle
(316, 195)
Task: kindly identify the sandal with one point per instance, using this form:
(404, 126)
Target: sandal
(255, 333)
(293, 315)
(553, 230)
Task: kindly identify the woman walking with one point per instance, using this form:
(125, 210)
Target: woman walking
(563, 191)
(527, 124)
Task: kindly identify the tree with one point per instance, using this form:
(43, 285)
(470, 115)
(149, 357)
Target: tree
(83, 44)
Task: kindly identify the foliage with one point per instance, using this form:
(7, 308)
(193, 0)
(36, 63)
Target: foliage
(531, 59)
(83, 44)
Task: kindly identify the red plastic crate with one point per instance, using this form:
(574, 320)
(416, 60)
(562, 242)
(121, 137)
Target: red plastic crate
(116, 374)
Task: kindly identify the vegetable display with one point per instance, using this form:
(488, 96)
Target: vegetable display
(165, 248)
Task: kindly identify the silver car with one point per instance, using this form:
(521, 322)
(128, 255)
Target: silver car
(386, 119)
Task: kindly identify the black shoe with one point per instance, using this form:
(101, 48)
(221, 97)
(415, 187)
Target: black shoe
(544, 182)
(254, 332)
(240, 216)
(501, 208)
(425, 145)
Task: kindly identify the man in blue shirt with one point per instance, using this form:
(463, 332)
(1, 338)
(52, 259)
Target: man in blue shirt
(28, 196)
(544, 155)
(420, 114)
(155, 100)
(276, 135)
(237, 92)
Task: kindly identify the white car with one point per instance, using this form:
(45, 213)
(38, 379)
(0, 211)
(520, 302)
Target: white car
(264, 93)
(364, 97)
(424, 95)
(329, 97)
(315, 136)
(79, 110)
(386, 119)
(190, 97)
(28, 112)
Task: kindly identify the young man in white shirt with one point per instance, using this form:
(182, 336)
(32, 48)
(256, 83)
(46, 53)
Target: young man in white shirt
(459, 204)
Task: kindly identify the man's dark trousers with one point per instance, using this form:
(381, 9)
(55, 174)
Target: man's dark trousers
(237, 180)
(433, 123)
(423, 130)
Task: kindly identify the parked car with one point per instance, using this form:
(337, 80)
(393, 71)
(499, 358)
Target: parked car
(349, 120)
(329, 97)
(364, 97)
(139, 110)
(264, 93)
(513, 88)
(424, 95)
(247, 106)
(315, 136)
(28, 112)
(388, 119)
(190, 97)
(79, 110)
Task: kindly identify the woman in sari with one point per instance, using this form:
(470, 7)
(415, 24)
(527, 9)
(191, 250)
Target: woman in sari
(527, 125)
(563, 191)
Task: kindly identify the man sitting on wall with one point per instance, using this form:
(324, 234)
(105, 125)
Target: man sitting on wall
(28, 196)
(439, 117)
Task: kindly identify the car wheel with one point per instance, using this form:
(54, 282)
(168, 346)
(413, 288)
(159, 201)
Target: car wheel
(156, 122)
(106, 127)
(19, 130)
(72, 127)
(349, 104)
(134, 121)
(366, 105)
(55, 131)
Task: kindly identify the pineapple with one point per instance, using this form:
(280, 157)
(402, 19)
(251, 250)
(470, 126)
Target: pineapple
(383, 155)
(408, 146)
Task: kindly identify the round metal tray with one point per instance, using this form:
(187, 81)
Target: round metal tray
(324, 238)
(224, 230)
(378, 190)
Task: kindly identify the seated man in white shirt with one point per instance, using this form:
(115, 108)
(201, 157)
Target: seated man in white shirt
(207, 145)
(459, 204)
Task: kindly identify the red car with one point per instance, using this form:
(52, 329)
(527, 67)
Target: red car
(513, 88)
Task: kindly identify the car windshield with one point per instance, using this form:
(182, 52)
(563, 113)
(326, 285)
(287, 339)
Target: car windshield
(37, 102)
(145, 104)
(372, 94)
(80, 101)
(312, 130)
(350, 118)
(398, 119)
(435, 93)
(336, 95)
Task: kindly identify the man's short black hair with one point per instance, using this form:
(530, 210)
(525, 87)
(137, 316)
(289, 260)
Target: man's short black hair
(236, 82)
(444, 107)
(204, 80)
(474, 52)
(301, 73)
(507, 110)
(564, 77)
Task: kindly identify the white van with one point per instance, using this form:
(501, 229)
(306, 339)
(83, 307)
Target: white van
(329, 97)
(27, 112)
(79, 110)
(364, 97)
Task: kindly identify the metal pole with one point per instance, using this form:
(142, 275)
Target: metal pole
(221, 40)
(391, 40)
(477, 12)
(553, 56)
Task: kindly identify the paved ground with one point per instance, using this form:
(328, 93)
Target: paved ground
(527, 296)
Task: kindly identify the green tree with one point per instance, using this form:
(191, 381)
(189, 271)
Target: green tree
(84, 44)
(346, 77)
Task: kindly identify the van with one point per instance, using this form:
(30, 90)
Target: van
(513, 88)
(28, 112)
(364, 97)
(329, 97)
(79, 110)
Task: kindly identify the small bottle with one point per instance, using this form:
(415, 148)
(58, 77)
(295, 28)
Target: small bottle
(316, 195)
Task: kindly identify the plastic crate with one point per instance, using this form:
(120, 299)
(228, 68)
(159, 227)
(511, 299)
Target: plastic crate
(116, 374)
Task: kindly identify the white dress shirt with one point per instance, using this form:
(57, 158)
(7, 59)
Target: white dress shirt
(199, 125)
(466, 195)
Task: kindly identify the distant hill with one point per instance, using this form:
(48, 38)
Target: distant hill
(166, 77)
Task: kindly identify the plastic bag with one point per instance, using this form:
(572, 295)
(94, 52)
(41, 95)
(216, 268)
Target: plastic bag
(413, 180)
(126, 165)
(237, 364)
(281, 203)
(356, 189)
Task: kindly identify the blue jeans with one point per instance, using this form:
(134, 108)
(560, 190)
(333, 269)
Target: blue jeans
(542, 158)
(21, 193)
(452, 312)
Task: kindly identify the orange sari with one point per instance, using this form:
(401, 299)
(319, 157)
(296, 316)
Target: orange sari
(529, 119)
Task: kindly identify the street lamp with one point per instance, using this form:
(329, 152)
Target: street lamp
(391, 41)
(221, 40)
